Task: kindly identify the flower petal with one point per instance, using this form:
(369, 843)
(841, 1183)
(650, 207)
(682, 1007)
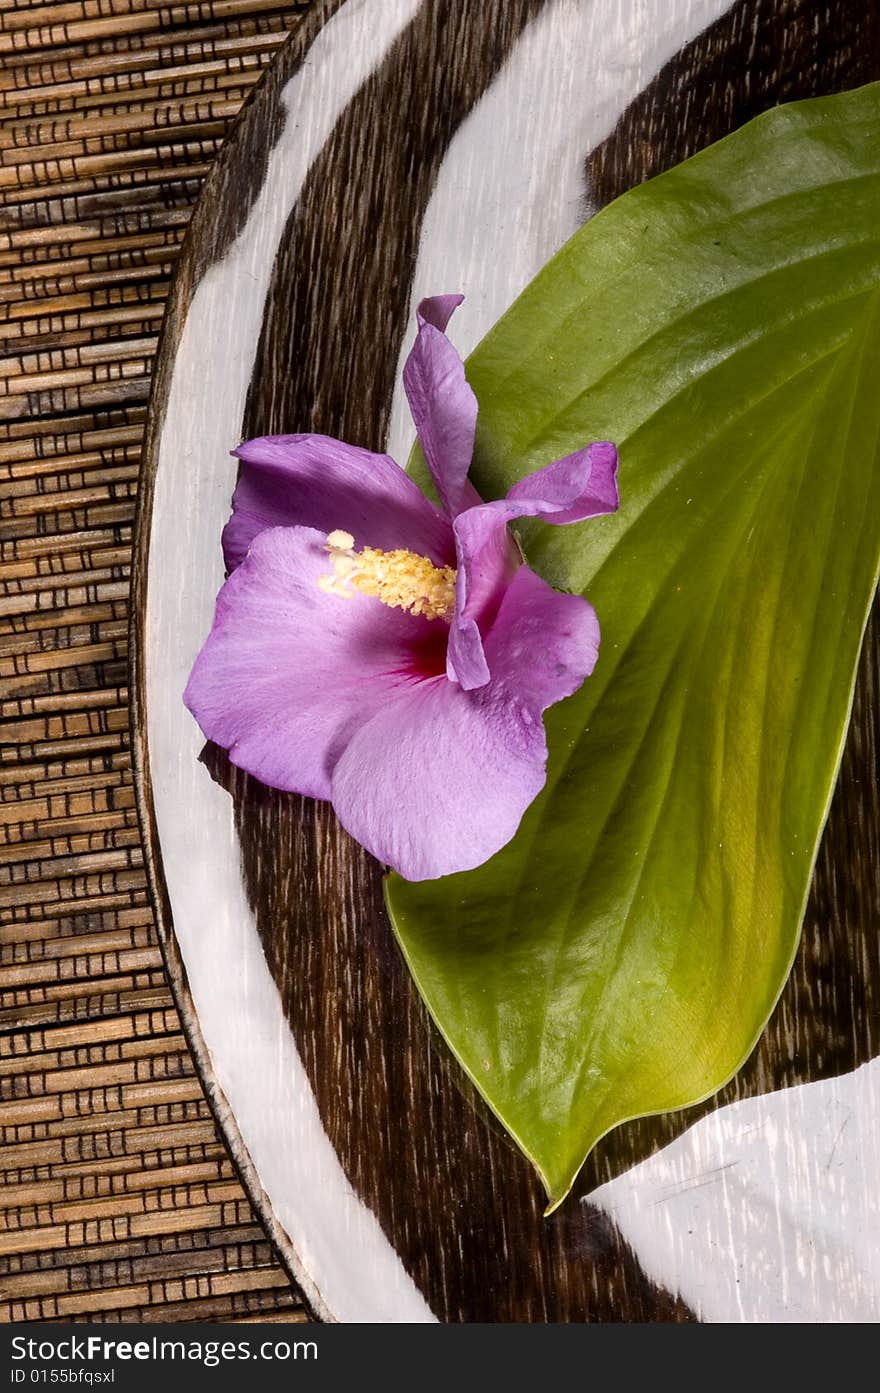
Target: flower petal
(487, 559)
(580, 486)
(438, 780)
(542, 643)
(438, 310)
(314, 481)
(289, 672)
(442, 404)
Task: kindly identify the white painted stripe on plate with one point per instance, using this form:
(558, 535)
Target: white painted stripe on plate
(767, 1210)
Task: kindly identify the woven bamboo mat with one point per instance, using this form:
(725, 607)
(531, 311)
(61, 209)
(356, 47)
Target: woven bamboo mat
(119, 1201)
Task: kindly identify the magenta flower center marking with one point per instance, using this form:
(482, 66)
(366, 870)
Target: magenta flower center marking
(388, 655)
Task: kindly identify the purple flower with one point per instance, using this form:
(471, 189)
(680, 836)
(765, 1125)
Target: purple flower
(388, 655)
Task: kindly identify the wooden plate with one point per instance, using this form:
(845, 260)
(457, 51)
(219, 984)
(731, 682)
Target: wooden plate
(395, 149)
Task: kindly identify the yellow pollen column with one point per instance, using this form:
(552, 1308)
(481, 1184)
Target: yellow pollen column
(399, 579)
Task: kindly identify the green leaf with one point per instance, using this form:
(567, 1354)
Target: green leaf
(721, 324)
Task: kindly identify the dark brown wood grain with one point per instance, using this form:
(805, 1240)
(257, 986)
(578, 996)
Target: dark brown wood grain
(455, 1197)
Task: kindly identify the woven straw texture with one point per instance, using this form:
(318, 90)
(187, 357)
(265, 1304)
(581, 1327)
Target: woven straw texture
(119, 1201)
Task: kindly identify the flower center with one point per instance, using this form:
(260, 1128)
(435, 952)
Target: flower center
(400, 579)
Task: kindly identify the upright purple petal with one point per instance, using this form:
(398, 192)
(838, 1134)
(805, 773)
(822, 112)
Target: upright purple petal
(289, 673)
(438, 310)
(442, 404)
(438, 780)
(487, 559)
(314, 481)
(579, 486)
